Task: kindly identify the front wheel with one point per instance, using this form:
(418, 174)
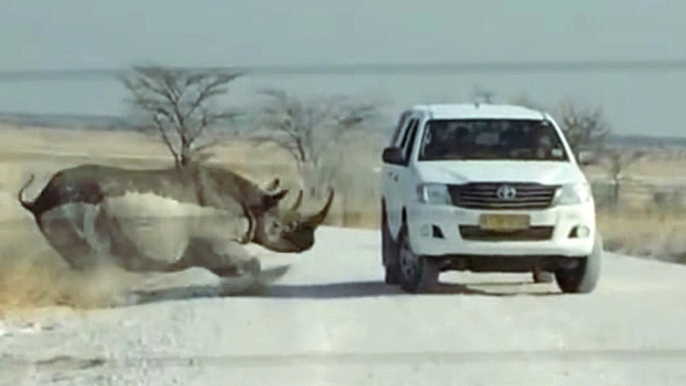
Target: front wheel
(389, 252)
(584, 277)
(417, 273)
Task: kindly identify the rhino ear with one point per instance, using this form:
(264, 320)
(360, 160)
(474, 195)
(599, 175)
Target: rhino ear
(272, 200)
(273, 185)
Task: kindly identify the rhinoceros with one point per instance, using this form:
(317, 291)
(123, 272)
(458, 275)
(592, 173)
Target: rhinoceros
(167, 220)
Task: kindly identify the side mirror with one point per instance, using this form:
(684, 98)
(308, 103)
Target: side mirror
(392, 155)
(586, 158)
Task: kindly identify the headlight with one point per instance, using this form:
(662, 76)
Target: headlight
(573, 194)
(434, 194)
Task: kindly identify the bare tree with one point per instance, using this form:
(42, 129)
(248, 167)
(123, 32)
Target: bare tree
(617, 164)
(584, 127)
(179, 105)
(309, 131)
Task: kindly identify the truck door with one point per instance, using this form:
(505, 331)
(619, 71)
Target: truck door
(396, 177)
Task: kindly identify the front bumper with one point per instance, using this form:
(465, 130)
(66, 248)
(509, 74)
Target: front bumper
(422, 218)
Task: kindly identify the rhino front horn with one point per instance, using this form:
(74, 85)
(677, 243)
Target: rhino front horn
(318, 218)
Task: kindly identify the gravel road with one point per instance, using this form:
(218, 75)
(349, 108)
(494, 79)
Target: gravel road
(329, 320)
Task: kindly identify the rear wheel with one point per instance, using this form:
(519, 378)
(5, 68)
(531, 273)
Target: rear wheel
(389, 251)
(584, 277)
(417, 273)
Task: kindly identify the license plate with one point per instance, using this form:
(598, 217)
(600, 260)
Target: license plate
(508, 222)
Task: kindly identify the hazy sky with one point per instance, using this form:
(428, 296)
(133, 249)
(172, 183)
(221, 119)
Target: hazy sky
(51, 34)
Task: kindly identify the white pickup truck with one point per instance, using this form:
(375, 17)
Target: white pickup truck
(485, 188)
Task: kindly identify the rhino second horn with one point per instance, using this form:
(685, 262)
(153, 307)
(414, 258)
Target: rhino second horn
(298, 201)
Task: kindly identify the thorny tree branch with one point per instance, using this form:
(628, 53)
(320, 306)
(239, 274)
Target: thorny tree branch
(308, 131)
(583, 126)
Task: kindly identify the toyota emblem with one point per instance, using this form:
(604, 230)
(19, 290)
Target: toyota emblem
(506, 193)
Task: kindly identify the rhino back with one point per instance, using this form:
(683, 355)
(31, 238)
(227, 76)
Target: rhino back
(90, 184)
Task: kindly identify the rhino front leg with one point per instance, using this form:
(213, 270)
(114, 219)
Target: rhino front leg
(224, 258)
(230, 261)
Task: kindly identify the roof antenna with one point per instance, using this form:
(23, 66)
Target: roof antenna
(476, 104)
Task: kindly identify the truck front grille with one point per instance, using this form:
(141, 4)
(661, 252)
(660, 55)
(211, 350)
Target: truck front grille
(475, 233)
(484, 195)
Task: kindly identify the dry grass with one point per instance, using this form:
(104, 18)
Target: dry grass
(32, 274)
(646, 235)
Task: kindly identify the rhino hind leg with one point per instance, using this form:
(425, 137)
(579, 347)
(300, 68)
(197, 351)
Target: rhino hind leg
(71, 231)
(76, 251)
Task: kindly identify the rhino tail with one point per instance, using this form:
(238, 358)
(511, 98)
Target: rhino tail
(20, 196)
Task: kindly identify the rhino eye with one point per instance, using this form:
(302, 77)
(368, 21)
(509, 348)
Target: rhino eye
(291, 226)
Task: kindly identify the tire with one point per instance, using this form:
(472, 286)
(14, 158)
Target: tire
(584, 277)
(418, 274)
(389, 253)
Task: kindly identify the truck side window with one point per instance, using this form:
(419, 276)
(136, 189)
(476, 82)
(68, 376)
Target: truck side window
(407, 134)
(412, 130)
(399, 128)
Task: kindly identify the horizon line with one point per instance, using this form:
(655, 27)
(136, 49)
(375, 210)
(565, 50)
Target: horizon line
(407, 68)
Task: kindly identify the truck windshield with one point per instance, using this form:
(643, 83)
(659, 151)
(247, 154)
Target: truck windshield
(491, 139)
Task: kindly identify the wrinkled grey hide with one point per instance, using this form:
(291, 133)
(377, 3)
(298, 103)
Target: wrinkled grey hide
(167, 220)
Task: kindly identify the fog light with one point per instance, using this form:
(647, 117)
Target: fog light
(583, 232)
(425, 231)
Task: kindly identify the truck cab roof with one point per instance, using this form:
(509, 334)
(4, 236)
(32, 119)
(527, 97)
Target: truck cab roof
(478, 111)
